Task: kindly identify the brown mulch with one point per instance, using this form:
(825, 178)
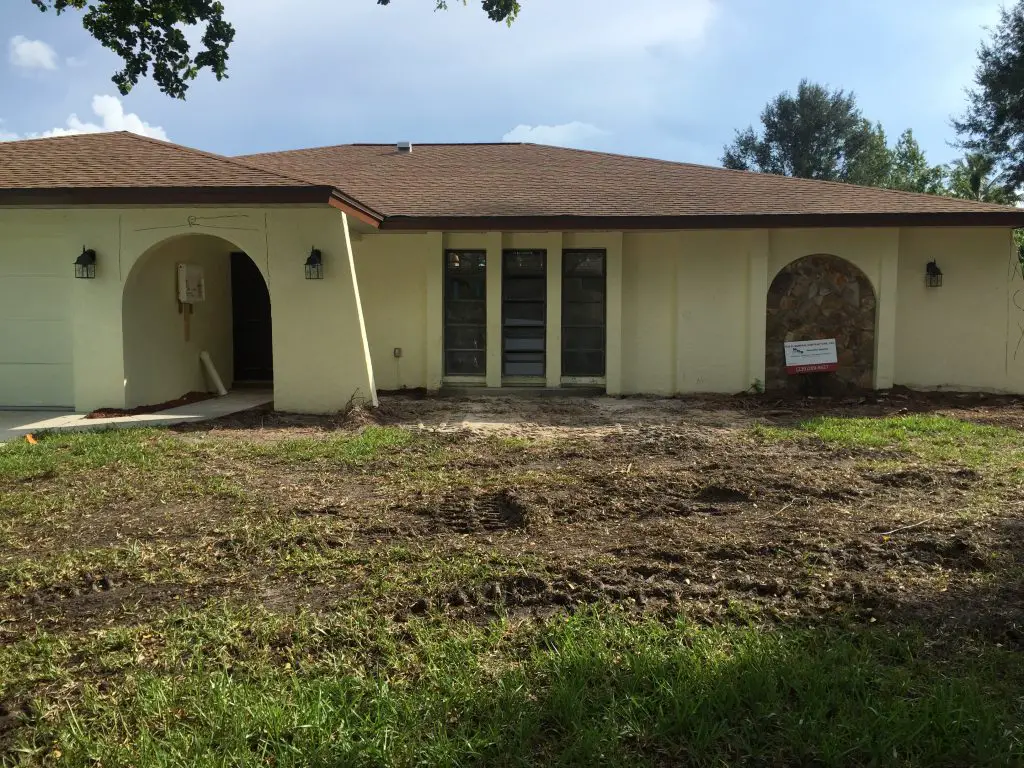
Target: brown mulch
(186, 399)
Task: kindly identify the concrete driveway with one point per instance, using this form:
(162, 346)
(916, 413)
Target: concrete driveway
(16, 424)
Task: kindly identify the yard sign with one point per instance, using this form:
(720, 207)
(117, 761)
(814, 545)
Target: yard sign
(817, 356)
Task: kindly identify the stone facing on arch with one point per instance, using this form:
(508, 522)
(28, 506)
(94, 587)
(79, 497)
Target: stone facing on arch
(818, 297)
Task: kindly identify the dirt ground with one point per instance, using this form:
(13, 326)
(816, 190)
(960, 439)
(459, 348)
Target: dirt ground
(534, 505)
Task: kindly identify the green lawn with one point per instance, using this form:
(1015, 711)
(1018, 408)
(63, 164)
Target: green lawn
(259, 611)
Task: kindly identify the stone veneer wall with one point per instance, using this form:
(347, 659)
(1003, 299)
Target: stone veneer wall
(822, 297)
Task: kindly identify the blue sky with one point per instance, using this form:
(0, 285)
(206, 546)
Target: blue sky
(663, 78)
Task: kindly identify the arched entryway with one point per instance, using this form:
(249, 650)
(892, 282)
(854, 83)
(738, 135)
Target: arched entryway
(822, 297)
(163, 337)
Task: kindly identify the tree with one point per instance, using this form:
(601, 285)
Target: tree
(975, 177)
(149, 36)
(994, 122)
(496, 10)
(821, 134)
(909, 169)
(817, 134)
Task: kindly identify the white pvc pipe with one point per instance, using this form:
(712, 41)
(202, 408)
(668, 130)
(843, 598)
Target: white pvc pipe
(211, 371)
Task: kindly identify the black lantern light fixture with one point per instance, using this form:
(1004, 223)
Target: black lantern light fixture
(932, 275)
(315, 265)
(85, 265)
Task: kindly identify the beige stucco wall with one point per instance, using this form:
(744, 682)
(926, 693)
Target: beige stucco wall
(162, 359)
(321, 358)
(393, 273)
(686, 310)
(966, 334)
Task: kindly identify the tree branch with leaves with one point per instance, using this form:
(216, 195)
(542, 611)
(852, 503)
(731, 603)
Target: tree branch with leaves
(149, 36)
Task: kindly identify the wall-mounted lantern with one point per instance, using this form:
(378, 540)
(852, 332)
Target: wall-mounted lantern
(315, 265)
(85, 265)
(932, 275)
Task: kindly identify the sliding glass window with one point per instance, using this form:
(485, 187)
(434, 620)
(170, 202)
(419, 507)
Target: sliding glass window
(523, 313)
(465, 313)
(583, 313)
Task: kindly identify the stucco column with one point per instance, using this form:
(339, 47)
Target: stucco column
(97, 337)
(757, 308)
(885, 325)
(553, 357)
(613, 315)
(96, 320)
(435, 312)
(321, 355)
(494, 256)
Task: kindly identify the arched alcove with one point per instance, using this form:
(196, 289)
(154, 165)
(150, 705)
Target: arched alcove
(822, 297)
(163, 338)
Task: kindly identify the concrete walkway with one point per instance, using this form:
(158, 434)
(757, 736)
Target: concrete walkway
(15, 424)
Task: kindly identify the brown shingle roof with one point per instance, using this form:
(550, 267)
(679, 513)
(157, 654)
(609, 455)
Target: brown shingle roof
(124, 160)
(526, 181)
(126, 168)
(467, 186)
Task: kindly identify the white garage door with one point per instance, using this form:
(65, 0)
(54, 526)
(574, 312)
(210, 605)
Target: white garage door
(35, 329)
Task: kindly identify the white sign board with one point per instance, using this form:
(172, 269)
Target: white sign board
(816, 356)
(191, 284)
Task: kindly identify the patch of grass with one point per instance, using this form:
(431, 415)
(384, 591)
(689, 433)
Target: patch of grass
(932, 438)
(241, 686)
(60, 454)
(342, 448)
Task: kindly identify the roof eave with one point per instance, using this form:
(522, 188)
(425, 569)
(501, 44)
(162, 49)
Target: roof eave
(1011, 217)
(234, 195)
(229, 195)
(355, 209)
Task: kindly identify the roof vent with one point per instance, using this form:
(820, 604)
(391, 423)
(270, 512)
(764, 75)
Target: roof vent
(404, 147)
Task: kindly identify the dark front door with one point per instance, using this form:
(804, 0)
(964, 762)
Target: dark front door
(250, 303)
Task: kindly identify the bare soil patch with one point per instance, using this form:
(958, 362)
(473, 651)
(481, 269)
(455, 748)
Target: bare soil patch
(504, 504)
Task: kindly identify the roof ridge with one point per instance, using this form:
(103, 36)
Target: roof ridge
(385, 144)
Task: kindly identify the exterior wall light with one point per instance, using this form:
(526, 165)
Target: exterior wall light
(315, 265)
(932, 275)
(85, 265)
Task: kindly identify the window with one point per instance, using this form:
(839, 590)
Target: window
(583, 313)
(524, 293)
(465, 313)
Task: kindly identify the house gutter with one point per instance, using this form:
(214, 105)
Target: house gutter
(1011, 217)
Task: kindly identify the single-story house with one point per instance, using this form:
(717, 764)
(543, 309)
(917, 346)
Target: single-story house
(334, 272)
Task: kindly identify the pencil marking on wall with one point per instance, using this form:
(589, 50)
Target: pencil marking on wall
(209, 222)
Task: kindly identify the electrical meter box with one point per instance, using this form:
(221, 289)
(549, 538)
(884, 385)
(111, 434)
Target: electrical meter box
(191, 284)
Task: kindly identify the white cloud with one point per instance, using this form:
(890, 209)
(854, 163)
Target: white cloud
(112, 117)
(75, 62)
(31, 54)
(6, 135)
(574, 134)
